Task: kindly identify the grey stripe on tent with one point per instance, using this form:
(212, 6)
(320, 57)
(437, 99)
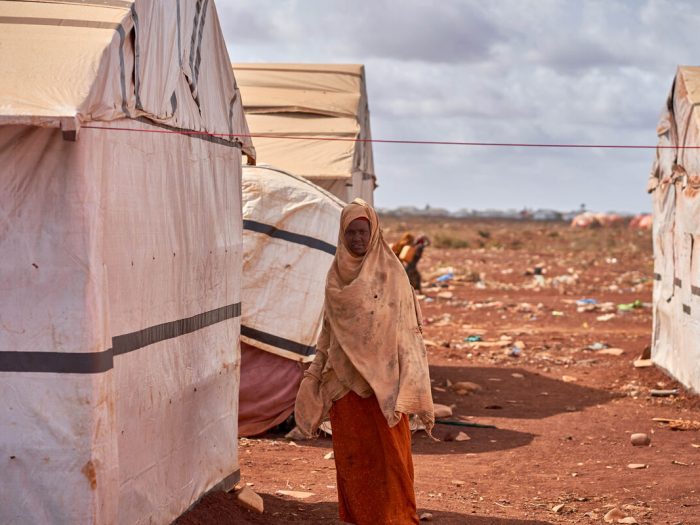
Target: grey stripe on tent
(193, 50)
(137, 53)
(98, 362)
(201, 136)
(677, 282)
(695, 290)
(173, 103)
(198, 60)
(62, 22)
(123, 344)
(57, 362)
(179, 36)
(686, 309)
(122, 72)
(285, 235)
(277, 341)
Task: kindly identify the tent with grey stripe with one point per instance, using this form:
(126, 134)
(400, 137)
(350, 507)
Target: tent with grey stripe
(290, 231)
(122, 255)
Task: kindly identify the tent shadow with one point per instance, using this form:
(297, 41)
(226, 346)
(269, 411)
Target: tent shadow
(527, 395)
(480, 440)
(220, 507)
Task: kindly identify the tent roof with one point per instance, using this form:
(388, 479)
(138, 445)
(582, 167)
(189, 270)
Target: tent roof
(691, 80)
(68, 62)
(323, 101)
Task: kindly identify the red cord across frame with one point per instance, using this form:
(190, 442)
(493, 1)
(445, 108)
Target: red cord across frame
(391, 141)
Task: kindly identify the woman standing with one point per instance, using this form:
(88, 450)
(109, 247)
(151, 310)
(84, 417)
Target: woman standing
(369, 373)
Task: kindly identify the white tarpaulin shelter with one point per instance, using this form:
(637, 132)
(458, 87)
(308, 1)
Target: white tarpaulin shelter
(321, 104)
(675, 184)
(290, 232)
(120, 234)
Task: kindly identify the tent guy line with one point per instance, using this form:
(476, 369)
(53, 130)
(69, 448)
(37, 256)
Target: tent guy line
(397, 141)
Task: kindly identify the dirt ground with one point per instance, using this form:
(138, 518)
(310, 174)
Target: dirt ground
(555, 377)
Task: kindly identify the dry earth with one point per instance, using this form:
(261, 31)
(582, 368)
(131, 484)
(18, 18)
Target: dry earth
(563, 412)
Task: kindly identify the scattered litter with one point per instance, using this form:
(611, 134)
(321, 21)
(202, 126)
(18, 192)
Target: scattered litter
(637, 466)
(664, 393)
(558, 508)
(472, 339)
(679, 424)
(605, 317)
(643, 363)
(330, 455)
(445, 295)
(581, 302)
(627, 307)
(296, 494)
(596, 346)
(515, 351)
(426, 516)
(557, 313)
(445, 277)
(516, 375)
(674, 462)
(458, 482)
(569, 379)
(611, 351)
(695, 445)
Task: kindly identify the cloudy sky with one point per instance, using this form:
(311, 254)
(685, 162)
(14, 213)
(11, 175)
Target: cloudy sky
(537, 71)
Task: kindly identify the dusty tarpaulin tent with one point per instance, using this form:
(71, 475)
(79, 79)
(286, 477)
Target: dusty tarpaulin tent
(317, 102)
(121, 239)
(290, 232)
(675, 185)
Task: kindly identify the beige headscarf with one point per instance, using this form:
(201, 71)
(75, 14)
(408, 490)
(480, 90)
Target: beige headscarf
(374, 317)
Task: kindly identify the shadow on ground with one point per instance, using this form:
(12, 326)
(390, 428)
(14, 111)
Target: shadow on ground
(221, 508)
(502, 395)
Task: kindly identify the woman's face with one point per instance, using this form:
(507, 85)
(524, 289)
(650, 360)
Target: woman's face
(357, 236)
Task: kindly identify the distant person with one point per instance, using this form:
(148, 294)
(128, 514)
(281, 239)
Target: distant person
(409, 252)
(370, 372)
(405, 240)
(411, 264)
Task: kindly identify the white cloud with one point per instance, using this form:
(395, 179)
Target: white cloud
(507, 71)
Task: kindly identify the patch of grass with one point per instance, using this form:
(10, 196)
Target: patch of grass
(448, 241)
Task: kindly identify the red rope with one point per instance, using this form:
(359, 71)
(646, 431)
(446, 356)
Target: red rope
(390, 141)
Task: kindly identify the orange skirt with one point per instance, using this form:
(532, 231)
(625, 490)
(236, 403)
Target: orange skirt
(373, 463)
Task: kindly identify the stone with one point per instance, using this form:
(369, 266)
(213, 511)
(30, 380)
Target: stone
(426, 516)
(457, 482)
(441, 411)
(248, 499)
(296, 494)
(516, 375)
(330, 455)
(640, 440)
(613, 515)
(569, 379)
(461, 436)
(465, 387)
(628, 519)
(557, 508)
(445, 295)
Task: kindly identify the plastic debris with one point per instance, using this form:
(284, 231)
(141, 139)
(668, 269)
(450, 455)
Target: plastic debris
(472, 339)
(628, 307)
(445, 277)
